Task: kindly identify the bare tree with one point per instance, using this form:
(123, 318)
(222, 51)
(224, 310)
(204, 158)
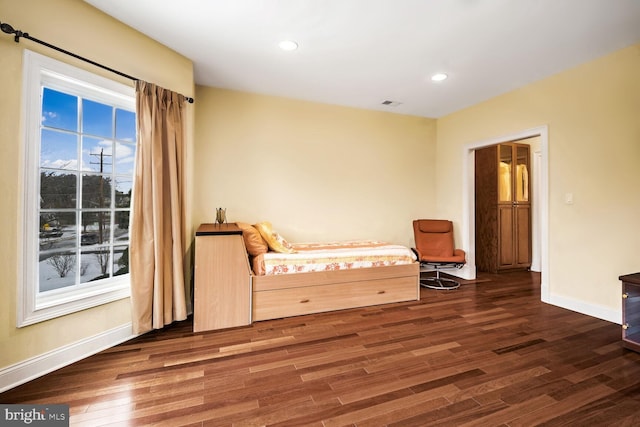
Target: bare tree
(63, 263)
(103, 260)
(84, 266)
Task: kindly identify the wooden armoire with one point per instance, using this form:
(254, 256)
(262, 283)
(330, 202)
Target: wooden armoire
(503, 207)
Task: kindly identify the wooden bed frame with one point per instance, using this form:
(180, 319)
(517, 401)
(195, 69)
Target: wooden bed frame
(227, 293)
(296, 294)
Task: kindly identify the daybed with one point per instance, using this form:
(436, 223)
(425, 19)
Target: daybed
(295, 279)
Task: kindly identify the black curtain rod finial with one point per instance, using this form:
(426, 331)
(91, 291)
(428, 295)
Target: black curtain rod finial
(8, 29)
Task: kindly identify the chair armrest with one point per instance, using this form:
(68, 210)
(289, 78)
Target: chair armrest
(417, 252)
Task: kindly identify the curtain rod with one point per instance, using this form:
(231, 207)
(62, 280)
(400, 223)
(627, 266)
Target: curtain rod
(8, 29)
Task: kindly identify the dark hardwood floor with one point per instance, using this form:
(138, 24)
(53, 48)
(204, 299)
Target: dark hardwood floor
(487, 354)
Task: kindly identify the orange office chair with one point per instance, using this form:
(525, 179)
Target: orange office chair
(435, 248)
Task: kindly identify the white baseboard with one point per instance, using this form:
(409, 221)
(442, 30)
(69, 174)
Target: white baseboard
(598, 311)
(37, 366)
(593, 310)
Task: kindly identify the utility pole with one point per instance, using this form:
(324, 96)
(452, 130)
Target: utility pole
(101, 201)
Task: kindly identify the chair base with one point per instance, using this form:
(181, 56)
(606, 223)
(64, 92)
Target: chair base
(439, 283)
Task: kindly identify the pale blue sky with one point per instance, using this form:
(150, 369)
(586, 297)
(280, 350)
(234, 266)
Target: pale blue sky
(59, 149)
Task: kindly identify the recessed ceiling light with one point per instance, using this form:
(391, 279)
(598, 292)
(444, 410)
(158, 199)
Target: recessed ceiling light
(288, 45)
(438, 77)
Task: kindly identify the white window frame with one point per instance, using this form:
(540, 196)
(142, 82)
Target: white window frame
(34, 306)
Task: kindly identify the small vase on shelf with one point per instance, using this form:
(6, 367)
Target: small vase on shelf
(221, 215)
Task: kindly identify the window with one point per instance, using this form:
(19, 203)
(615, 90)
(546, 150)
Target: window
(79, 160)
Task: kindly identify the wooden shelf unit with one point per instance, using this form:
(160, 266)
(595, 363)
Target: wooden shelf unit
(503, 207)
(222, 280)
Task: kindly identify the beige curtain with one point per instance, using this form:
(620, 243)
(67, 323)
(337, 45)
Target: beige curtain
(158, 224)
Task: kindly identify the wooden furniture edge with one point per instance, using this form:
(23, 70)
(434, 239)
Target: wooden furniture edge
(208, 229)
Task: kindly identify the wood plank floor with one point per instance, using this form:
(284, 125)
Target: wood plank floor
(487, 354)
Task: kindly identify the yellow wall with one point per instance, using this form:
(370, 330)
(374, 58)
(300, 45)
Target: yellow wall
(317, 172)
(593, 117)
(81, 29)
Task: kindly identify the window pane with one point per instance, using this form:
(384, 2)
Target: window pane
(96, 154)
(94, 264)
(57, 190)
(123, 192)
(120, 260)
(97, 119)
(96, 191)
(121, 231)
(59, 110)
(57, 270)
(57, 230)
(125, 125)
(58, 150)
(125, 158)
(95, 228)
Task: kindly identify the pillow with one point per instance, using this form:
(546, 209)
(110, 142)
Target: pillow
(252, 239)
(276, 242)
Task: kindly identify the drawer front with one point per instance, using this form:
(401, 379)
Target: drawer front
(315, 299)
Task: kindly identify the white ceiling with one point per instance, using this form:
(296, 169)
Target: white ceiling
(359, 53)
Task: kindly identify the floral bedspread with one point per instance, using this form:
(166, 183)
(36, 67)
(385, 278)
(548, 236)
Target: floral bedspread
(310, 257)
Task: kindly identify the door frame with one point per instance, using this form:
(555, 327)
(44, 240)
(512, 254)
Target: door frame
(540, 202)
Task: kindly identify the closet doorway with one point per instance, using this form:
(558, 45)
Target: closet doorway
(503, 206)
(538, 141)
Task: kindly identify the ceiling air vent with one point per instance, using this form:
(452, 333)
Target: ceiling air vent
(391, 103)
